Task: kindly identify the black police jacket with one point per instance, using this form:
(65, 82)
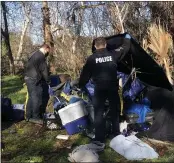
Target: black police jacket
(36, 67)
(101, 66)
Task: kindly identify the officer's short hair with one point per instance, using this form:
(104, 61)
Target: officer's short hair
(46, 46)
(100, 41)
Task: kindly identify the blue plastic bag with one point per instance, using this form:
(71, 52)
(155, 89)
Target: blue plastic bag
(90, 88)
(67, 88)
(139, 109)
(135, 89)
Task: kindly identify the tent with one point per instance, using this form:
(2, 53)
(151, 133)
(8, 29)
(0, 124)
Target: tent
(148, 70)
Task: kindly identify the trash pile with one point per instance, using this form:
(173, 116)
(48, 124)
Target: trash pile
(148, 107)
(74, 108)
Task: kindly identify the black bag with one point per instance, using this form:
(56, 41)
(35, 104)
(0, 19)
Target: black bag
(6, 109)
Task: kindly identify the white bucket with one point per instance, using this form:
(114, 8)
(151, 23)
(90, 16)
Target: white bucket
(72, 112)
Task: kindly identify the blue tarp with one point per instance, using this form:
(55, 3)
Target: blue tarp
(140, 109)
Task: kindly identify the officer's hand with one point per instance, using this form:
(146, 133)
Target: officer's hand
(128, 36)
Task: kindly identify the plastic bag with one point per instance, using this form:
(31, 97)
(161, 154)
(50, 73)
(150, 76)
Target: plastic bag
(139, 109)
(132, 148)
(135, 88)
(90, 88)
(67, 88)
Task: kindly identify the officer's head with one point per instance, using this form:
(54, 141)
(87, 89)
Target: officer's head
(100, 43)
(45, 49)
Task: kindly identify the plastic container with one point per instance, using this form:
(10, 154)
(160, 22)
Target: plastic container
(74, 117)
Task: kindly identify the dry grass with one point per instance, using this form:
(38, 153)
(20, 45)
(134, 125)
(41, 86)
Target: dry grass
(160, 41)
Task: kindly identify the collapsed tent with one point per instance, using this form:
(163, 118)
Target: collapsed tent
(148, 70)
(162, 101)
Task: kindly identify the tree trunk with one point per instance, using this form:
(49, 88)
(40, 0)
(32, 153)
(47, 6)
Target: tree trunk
(24, 30)
(5, 34)
(48, 38)
(117, 16)
(47, 25)
(169, 75)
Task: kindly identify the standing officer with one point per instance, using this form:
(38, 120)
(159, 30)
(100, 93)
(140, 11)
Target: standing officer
(102, 68)
(37, 79)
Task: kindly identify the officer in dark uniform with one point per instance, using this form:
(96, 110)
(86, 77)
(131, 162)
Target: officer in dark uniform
(102, 68)
(37, 80)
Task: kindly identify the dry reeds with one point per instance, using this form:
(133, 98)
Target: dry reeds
(160, 42)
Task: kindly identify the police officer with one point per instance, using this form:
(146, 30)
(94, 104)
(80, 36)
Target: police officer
(37, 79)
(102, 68)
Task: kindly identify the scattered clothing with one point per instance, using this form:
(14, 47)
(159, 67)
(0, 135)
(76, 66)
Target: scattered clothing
(88, 151)
(83, 154)
(132, 148)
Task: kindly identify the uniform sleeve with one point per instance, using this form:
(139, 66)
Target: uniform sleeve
(86, 73)
(123, 50)
(44, 70)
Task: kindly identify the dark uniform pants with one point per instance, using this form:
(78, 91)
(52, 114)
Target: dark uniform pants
(37, 100)
(99, 100)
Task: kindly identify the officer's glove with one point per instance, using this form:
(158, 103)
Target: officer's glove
(50, 91)
(128, 36)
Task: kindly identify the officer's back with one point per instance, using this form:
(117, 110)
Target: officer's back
(104, 72)
(101, 66)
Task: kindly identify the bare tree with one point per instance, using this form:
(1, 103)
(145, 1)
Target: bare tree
(117, 15)
(27, 10)
(5, 34)
(47, 25)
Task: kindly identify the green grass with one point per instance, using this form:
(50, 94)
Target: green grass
(12, 87)
(26, 142)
